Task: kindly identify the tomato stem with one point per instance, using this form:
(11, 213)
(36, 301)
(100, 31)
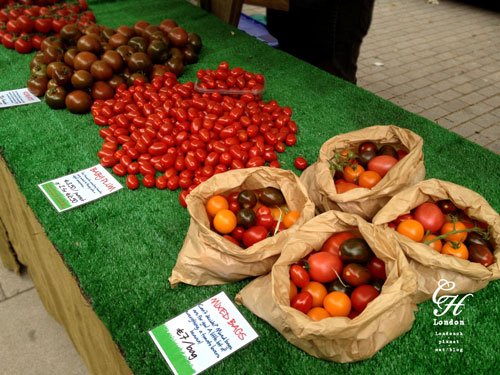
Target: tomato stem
(455, 231)
(340, 279)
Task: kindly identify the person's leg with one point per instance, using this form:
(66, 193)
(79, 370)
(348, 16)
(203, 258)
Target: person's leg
(325, 33)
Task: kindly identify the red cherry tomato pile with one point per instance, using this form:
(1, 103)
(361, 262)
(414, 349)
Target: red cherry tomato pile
(448, 230)
(338, 280)
(364, 166)
(24, 25)
(248, 216)
(234, 80)
(175, 137)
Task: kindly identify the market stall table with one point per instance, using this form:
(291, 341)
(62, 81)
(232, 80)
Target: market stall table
(102, 269)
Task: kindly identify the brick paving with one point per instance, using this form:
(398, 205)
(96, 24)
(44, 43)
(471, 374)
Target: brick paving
(441, 61)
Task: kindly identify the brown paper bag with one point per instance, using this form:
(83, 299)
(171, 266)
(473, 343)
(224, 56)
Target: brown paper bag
(430, 265)
(206, 258)
(361, 201)
(338, 339)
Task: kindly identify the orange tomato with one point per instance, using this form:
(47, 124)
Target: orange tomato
(290, 218)
(452, 226)
(369, 179)
(318, 292)
(337, 304)
(225, 221)
(412, 229)
(293, 290)
(342, 187)
(276, 212)
(215, 204)
(352, 172)
(318, 313)
(457, 249)
(436, 245)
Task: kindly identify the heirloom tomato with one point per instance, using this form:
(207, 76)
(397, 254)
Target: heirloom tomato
(332, 244)
(481, 254)
(355, 250)
(363, 295)
(225, 221)
(299, 275)
(215, 204)
(454, 231)
(382, 164)
(317, 291)
(302, 302)
(430, 216)
(412, 229)
(355, 274)
(457, 249)
(254, 235)
(318, 313)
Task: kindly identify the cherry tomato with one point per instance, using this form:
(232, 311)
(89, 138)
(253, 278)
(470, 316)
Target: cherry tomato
(132, 182)
(317, 291)
(457, 249)
(253, 235)
(433, 244)
(412, 229)
(454, 226)
(215, 204)
(293, 290)
(382, 164)
(318, 313)
(332, 244)
(290, 218)
(337, 304)
(300, 163)
(355, 274)
(299, 275)
(225, 221)
(352, 172)
(363, 295)
(376, 267)
(369, 179)
(324, 267)
(481, 254)
(302, 302)
(430, 216)
(344, 187)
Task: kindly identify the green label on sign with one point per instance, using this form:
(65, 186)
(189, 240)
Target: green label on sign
(175, 355)
(56, 196)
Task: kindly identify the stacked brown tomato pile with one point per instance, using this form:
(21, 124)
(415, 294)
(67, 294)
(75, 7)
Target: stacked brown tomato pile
(249, 216)
(338, 280)
(79, 66)
(448, 230)
(25, 24)
(364, 166)
(176, 137)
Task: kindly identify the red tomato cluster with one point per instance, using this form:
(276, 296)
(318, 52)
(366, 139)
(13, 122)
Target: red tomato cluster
(248, 216)
(24, 26)
(230, 80)
(338, 280)
(448, 230)
(365, 166)
(176, 137)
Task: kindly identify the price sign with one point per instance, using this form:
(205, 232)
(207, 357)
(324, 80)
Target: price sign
(79, 188)
(203, 335)
(12, 98)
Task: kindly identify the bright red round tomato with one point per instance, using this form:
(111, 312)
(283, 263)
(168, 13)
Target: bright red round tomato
(376, 267)
(324, 267)
(300, 163)
(363, 295)
(430, 216)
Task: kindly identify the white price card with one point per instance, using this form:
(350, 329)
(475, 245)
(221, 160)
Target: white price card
(80, 188)
(203, 335)
(12, 98)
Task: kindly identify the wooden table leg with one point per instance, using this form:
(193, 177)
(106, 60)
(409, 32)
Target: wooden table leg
(227, 10)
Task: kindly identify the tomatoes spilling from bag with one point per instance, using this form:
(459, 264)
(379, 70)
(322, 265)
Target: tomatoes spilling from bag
(363, 166)
(246, 217)
(338, 280)
(447, 230)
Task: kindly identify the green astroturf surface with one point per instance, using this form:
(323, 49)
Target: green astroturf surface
(123, 247)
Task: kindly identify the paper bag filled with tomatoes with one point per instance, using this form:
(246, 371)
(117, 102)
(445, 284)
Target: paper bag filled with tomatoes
(448, 232)
(360, 171)
(239, 222)
(337, 289)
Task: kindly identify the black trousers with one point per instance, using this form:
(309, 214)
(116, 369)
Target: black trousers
(325, 33)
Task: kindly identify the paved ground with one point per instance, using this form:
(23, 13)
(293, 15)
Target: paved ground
(441, 61)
